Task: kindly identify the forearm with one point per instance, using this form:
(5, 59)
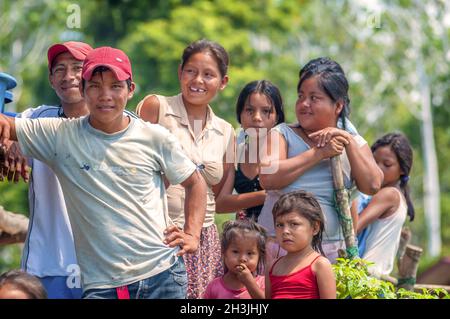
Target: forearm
(288, 170)
(254, 290)
(195, 206)
(234, 202)
(365, 171)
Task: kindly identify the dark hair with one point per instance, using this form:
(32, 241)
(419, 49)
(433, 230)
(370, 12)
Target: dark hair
(232, 228)
(263, 87)
(400, 145)
(100, 69)
(331, 79)
(306, 205)
(24, 282)
(216, 50)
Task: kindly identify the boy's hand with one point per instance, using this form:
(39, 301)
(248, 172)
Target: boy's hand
(177, 237)
(15, 164)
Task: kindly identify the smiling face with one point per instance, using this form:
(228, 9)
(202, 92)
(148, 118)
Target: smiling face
(65, 78)
(258, 112)
(314, 109)
(200, 79)
(242, 250)
(294, 232)
(106, 98)
(387, 161)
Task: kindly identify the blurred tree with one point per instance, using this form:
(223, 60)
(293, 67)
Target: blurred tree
(250, 31)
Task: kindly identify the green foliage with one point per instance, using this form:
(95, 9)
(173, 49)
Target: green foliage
(13, 197)
(10, 257)
(353, 281)
(220, 219)
(438, 293)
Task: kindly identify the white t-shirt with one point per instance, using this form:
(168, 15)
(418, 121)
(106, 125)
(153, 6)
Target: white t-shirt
(49, 249)
(114, 193)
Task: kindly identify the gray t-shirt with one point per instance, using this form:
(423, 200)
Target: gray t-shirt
(114, 193)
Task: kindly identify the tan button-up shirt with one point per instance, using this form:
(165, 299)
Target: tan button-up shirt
(207, 148)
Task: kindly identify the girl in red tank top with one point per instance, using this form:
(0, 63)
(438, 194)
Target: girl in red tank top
(303, 273)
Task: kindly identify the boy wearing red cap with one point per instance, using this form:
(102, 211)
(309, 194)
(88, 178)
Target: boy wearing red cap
(49, 251)
(110, 167)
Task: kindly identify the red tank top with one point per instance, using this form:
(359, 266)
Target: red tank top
(301, 284)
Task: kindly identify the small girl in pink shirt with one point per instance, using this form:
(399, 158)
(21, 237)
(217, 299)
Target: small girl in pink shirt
(243, 254)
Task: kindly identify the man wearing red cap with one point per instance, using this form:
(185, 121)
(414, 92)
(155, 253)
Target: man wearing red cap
(110, 167)
(49, 251)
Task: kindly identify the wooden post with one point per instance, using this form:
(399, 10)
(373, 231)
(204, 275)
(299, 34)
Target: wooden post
(405, 238)
(345, 216)
(13, 227)
(407, 269)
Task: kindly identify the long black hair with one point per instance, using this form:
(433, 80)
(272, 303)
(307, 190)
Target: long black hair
(331, 79)
(400, 145)
(263, 87)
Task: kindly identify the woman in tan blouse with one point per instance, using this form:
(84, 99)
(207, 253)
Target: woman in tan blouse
(207, 139)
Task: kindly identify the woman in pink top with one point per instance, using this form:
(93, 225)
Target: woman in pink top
(303, 273)
(243, 253)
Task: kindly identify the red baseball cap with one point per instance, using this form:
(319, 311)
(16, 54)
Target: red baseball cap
(114, 59)
(79, 50)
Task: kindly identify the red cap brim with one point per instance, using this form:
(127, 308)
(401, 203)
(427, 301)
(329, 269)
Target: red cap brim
(118, 73)
(78, 52)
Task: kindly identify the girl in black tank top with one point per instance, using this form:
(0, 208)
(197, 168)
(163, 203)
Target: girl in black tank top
(258, 109)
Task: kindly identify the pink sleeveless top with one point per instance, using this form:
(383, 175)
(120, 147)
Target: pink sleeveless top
(301, 284)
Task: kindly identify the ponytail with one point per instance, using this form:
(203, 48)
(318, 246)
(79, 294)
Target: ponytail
(406, 192)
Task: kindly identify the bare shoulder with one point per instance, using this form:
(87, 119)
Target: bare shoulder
(387, 194)
(148, 109)
(322, 263)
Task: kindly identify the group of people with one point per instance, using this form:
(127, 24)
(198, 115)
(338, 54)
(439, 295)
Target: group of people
(131, 200)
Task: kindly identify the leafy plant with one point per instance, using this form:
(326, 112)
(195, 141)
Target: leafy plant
(438, 293)
(354, 281)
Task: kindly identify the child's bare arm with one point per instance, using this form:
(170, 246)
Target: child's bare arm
(382, 203)
(326, 280)
(268, 287)
(226, 202)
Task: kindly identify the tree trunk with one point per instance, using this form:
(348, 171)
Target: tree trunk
(431, 179)
(432, 196)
